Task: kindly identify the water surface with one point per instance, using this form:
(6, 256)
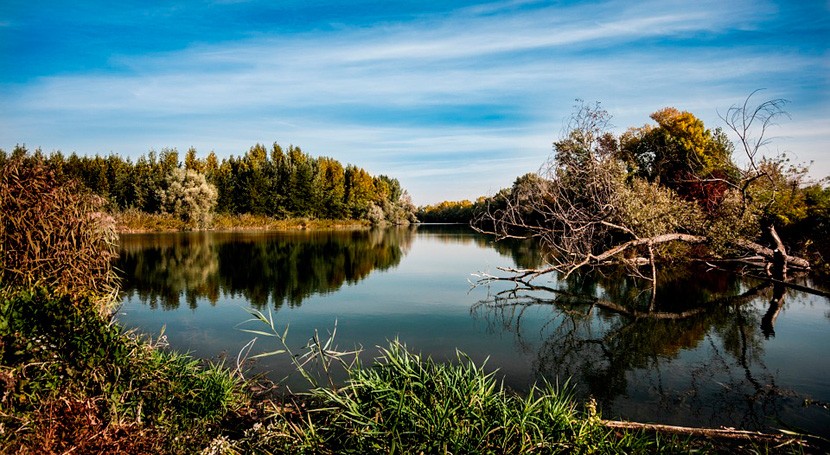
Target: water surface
(712, 349)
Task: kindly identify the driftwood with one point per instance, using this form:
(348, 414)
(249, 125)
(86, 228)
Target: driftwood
(761, 251)
(715, 433)
(777, 259)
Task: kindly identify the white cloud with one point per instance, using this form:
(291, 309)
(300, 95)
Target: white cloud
(402, 99)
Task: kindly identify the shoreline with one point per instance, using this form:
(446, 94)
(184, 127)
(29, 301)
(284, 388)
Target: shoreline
(145, 223)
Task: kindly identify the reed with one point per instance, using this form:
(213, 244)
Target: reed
(54, 234)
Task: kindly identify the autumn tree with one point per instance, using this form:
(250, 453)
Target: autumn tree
(332, 181)
(682, 154)
(600, 200)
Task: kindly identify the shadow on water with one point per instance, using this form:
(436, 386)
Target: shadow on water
(264, 268)
(525, 254)
(695, 356)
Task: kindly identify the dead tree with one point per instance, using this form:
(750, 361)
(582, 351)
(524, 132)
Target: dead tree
(588, 210)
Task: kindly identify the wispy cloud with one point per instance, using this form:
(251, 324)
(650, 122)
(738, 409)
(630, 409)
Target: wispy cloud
(474, 97)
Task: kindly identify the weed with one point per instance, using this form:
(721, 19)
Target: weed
(71, 378)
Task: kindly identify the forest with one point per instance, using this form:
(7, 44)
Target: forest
(278, 183)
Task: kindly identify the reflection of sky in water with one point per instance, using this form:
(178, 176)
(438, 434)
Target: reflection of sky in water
(714, 369)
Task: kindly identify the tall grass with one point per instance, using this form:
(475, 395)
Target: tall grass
(54, 234)
(406, 403)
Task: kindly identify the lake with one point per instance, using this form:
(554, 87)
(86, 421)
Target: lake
(713, 349)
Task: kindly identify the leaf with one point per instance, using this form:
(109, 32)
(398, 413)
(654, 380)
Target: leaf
(258, 332)
(268, 354)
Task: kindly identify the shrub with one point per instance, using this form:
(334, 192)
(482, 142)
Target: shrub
(53, 234)
(187, 195)
(72, 381)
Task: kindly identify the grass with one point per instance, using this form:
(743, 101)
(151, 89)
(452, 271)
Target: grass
(248, 221)
(130, 221)
(71, 380)
(405, 403)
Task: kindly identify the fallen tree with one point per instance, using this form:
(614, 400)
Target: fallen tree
(654, 194)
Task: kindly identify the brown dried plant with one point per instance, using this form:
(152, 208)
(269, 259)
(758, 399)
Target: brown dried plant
(54, 234)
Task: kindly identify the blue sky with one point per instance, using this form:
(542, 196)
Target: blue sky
(455, 99)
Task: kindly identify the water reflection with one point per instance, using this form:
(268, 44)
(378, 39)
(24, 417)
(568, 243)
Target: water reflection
(275, 268)
(525, 254)
(694, 356)
(711, 350)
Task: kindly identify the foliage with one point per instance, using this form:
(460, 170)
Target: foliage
(778, 193)
(72, 381)
(681, 154)
(648, 209)
(186, 194)
(451, 211)
(278, 183)
(602, 199)
(53, 233)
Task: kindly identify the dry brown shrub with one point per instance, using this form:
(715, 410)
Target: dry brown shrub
(68, 425)
(54, 234)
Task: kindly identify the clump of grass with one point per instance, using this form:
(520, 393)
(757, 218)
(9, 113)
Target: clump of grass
(406, 403)
(134, 220)
(72, 380)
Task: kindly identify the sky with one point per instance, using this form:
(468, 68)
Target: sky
(454, 99)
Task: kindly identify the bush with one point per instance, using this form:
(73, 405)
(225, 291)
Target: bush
(187, 195)
(70, 380)
(53, 234)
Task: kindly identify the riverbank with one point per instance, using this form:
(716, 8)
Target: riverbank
(134, 222)
(73, 381)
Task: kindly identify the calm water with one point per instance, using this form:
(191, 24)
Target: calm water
(712, 350)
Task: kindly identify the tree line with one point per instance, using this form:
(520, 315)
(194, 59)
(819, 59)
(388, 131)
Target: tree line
(276, 182)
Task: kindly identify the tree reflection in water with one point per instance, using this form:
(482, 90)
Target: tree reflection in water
(693, 357)
(266, 269)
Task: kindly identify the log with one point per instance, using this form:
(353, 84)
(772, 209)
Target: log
(717, 433)
(792, 261)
